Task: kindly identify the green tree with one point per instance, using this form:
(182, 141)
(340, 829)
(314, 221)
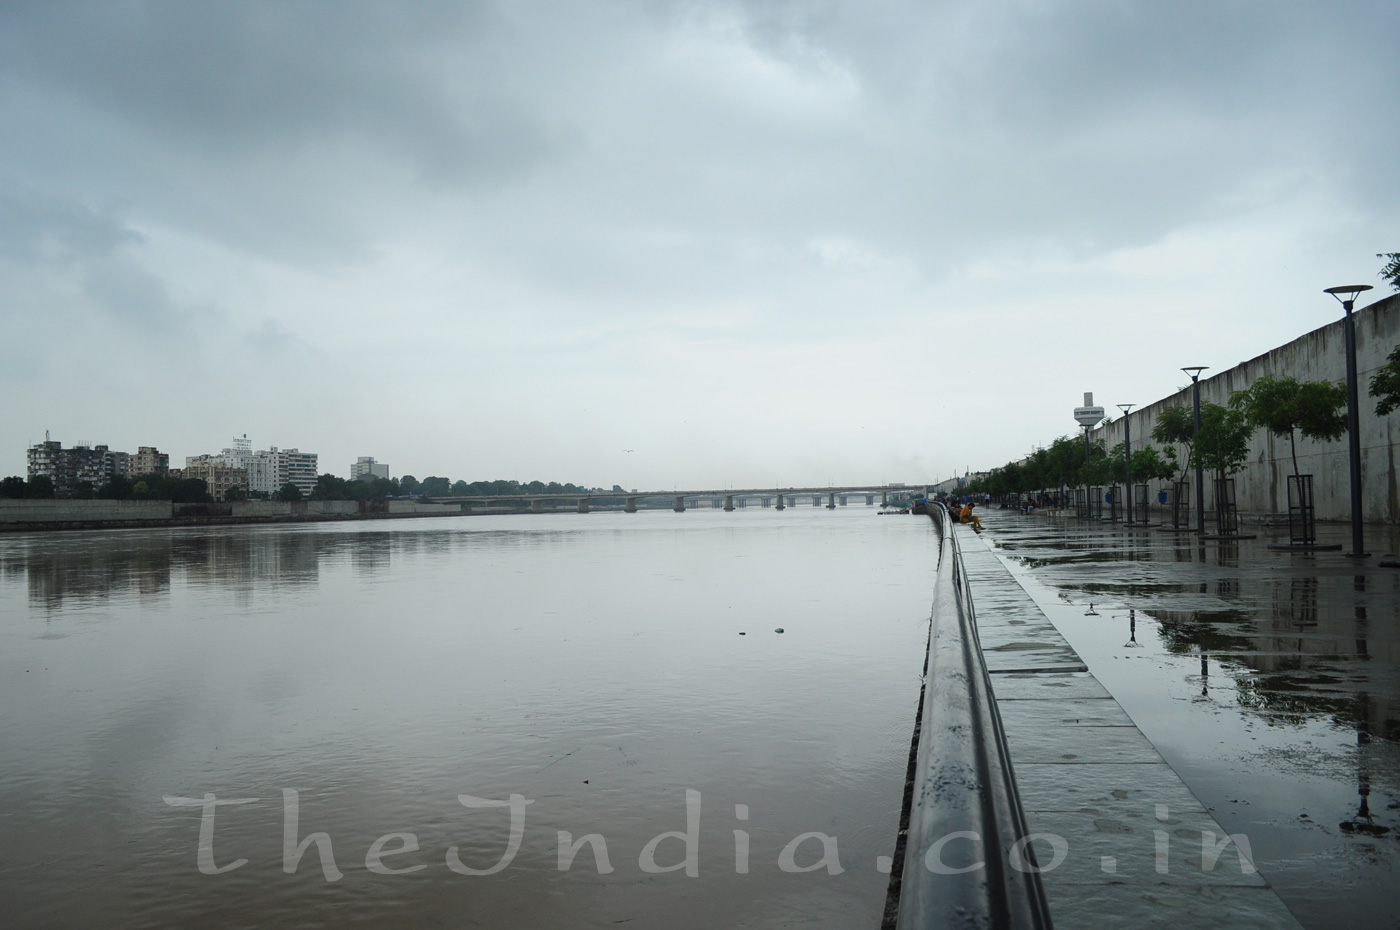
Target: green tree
(1177, 425)
(84, 491)
(332, 488)
(1101, 469)
(141, 491)
(1385, 386)
(12, 486)
(1391, 272)
(39, 487)
(289, 492)
(236, 494)
(1223, 445)
(409, 484)
(1149, 464)
(116, 488)
(1286, 406)
(435, 486)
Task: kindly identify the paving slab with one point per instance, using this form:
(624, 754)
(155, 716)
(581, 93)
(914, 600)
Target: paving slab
(1108, 789)
(1046, 685)
(1093, 785)
(1135, 905)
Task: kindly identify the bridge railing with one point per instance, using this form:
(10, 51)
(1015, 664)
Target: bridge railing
(966, 862)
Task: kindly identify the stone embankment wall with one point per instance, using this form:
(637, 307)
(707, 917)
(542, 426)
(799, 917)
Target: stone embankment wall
(1262, 487)
(294, 508)
(423, 510)
(61, 514)
(68, 511)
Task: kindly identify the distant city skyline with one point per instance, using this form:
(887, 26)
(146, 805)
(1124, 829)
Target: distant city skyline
(669, 244)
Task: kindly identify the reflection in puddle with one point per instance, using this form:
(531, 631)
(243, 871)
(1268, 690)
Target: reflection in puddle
(1262, 679)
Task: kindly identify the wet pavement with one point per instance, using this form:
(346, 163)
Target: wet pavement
(1269, 681)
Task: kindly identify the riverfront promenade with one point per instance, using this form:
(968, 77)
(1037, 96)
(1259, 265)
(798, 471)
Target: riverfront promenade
(1132, 831)
(1267, 680)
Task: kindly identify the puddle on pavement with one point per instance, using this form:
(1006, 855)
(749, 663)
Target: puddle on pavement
(1270, 681)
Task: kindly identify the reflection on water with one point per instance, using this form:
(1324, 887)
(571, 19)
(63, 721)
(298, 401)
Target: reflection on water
(1261, 677)
(382, 671)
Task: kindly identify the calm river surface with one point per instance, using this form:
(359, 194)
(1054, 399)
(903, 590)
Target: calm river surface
(592, 665)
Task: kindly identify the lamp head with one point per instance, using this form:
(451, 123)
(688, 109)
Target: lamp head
(1346, 293)
(1194, 371)
(1126, 408)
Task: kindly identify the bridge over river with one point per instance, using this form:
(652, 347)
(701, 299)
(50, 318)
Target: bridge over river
(728, 498)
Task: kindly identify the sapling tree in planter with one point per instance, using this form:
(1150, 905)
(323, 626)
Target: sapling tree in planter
(1287, 407)
(1223, 447)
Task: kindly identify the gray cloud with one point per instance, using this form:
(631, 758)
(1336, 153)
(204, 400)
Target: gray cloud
(646, 205)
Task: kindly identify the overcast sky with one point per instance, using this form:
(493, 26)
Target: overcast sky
(755, 244)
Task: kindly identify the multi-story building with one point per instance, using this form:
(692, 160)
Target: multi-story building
(84, 463)
(119, 463)
(294, 467)
(259, 465)
(367, 469)
(265, 471)
(149, 460)
(218, 478)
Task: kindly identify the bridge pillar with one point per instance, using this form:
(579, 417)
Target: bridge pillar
(884, 498)
(716, 504)
(583, 505)
(679, 506)
(831, 501)
(729, 502)
(869, 499)
(780, 502)
(843, 500)
(537, 506)
(631, 506)
(816, 500)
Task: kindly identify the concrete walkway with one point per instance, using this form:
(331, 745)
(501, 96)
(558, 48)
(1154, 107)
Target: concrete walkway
(1138, 849)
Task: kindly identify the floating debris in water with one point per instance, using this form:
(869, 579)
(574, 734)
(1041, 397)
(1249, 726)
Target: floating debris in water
(778, 630)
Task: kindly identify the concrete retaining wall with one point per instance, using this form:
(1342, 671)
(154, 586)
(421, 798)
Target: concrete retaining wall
(1262, 488)
(414, 507)
(70, 511)
(294, 508)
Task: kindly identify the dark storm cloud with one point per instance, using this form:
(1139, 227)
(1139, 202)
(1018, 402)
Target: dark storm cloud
(240, 78)
(350, 196)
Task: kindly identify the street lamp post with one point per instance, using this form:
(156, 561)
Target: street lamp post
(1195, 372)
(1128, 456)
(1346, 296)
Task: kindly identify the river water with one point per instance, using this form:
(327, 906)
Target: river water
(365, 682)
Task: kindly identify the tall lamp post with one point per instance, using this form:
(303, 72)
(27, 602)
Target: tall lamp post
(1346, 296)
(1195, 372)
(1128, 456)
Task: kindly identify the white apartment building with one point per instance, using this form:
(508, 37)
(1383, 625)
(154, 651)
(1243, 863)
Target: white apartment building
(268, 469)
(291, 465)
(367, 469)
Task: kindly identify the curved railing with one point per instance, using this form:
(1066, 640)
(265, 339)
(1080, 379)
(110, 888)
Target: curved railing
(963, 865)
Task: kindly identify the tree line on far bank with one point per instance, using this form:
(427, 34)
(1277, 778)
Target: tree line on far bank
(153, 487)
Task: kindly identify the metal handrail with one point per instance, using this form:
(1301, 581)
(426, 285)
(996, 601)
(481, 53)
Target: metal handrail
(964, 792)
